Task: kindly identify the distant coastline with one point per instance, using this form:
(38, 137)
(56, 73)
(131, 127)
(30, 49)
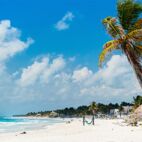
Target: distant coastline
(102, 109)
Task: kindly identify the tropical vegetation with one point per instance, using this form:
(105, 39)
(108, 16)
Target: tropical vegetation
(137, 102)
(99, 108)
(93, 107)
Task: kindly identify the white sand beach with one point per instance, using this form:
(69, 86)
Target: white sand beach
(103, 131)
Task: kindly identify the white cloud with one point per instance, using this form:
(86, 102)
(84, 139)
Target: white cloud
(117, 69)
(82, 74)
(115, 82)
(10, 44)
(57, 65)
(41, 71)
(31, 73)
(49, 83)
(64, 23)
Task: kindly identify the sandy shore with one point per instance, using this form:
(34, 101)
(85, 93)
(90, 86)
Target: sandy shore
(103, 131)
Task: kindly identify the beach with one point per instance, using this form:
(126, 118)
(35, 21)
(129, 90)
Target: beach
(103, 131)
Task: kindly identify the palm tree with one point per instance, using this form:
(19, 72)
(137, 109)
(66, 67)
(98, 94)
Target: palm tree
(137, 102)
(120, 110)
(126, 31)
(93, 107)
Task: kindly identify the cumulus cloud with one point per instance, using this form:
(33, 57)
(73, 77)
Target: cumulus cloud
(48, 83)
(64, 23)
(115, 82)
(82, 74)
(31, 73)
(41, 71)
(10, 43)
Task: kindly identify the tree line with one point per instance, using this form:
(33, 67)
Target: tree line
(90, 109)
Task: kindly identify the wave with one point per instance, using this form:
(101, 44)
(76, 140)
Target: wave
(12, 124)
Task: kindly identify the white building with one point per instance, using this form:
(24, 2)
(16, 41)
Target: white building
(114, 112)
(126, 110)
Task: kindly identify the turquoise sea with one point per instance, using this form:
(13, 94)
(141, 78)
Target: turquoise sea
(13, 124)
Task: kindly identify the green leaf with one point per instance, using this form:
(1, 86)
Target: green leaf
(128, 13)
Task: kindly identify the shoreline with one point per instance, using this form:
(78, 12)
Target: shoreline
(22, 124)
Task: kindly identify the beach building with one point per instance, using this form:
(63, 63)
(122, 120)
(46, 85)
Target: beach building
(114, 112)
(53, 114)
(126, 110)
(38, 115)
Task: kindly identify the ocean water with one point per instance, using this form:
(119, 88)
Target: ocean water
(13, 124)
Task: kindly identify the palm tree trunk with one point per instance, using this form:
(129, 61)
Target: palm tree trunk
(134, 61)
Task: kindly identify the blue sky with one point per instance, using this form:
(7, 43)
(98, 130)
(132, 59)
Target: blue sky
(49, 56)
(36, 19)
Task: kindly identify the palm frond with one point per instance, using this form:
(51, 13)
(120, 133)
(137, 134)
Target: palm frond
(138, 24)
(113, 27)
(128, 13)
(136, 35)
(108, 47)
